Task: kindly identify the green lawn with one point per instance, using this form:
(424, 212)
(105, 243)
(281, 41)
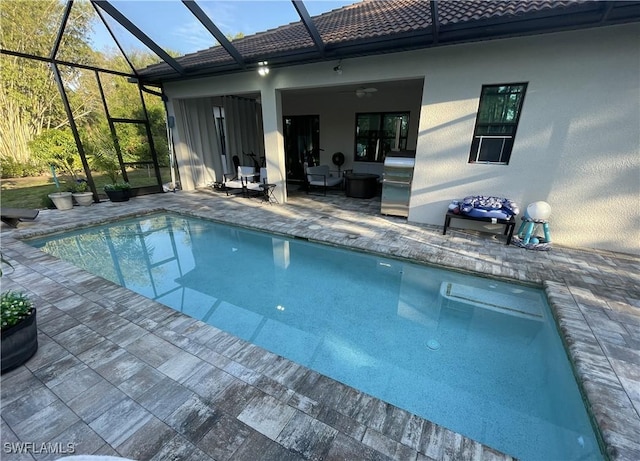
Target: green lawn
(32, 192)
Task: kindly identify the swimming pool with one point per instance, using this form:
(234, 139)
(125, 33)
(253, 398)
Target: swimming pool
(478, 356)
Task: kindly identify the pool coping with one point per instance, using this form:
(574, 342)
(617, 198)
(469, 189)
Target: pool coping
(607, 399)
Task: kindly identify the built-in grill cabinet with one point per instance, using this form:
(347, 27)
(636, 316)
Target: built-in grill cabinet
(396, 185)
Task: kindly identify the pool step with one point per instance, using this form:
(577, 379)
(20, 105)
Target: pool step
(505, 303)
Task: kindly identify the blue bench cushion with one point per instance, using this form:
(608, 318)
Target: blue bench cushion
(487, 206)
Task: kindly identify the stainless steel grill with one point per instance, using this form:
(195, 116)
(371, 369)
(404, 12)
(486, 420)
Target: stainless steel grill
(396, 185)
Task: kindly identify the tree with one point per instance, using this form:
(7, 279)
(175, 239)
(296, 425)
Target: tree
(31, 27)
(123, 101)
(57, 148)
(237, 36)
(29, 99)
(31, 105)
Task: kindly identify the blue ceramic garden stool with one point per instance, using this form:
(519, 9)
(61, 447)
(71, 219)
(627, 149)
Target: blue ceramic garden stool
(527, 229)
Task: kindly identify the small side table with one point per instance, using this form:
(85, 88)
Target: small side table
(267, 190)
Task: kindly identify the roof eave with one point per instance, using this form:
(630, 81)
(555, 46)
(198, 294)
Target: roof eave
(584, 17)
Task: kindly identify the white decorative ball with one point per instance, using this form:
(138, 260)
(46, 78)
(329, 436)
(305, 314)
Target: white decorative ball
(539, 211)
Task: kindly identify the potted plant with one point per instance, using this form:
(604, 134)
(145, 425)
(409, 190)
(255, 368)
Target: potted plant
(18, 327)
(81, 193)
(106, 161)
(118, 192)
(61, 200)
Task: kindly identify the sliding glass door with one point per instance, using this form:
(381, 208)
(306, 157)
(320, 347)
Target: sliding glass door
(379, 133)
(301, 144)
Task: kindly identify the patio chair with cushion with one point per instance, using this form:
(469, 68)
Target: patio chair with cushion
(254, 185)
(239, 179)
(320, 176)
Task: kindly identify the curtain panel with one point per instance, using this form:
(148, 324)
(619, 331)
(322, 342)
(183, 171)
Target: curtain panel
(198, 150)
(243, 127)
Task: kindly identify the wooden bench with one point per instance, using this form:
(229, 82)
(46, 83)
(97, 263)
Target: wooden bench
(509, 224)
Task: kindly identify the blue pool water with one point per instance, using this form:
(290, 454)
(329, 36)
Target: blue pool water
(475, 355)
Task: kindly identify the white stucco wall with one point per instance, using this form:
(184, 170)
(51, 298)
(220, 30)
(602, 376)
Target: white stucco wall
(577, 145)
(578, 141)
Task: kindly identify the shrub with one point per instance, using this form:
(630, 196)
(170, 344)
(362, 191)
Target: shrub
(11, 168)
(118, 186)
(57, 147)
(107, 162)
(79, 185)
(14, 307)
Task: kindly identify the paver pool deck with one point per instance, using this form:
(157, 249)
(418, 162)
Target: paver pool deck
(119, 374)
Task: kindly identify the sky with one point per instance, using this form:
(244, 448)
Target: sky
(172, 26)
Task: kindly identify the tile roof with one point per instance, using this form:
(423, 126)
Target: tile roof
(374, 26)
(370, 19)
(453, 12)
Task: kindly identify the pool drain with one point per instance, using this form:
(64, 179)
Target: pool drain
(433, 344)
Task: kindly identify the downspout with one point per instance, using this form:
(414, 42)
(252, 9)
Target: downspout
(171, 122)
(172, 163)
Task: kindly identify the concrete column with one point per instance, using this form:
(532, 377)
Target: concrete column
(419, 193)
(274, 141)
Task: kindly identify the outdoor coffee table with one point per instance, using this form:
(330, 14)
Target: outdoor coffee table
(361, 185)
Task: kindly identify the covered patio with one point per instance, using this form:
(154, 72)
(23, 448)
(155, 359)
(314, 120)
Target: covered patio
(119, 374)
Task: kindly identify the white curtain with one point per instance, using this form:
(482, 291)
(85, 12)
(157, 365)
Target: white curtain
(243, 125)
(198, 144)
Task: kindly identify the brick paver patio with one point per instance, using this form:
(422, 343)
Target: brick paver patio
(122, 375)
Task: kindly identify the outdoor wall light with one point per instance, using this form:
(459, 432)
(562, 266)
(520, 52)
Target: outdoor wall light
(262, 68)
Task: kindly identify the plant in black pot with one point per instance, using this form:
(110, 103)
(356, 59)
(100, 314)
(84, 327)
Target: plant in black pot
(118, 192)
(18, 327)
(106, 161)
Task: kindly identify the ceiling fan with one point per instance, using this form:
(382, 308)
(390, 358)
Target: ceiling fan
(365, 91)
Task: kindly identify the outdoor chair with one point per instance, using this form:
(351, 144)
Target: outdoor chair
(320, 176)
(238, 180)
(236, 162)
(254, 186)
(12, 216)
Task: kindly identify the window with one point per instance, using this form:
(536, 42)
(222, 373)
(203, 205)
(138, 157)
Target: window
(496, 123)
(378, 133)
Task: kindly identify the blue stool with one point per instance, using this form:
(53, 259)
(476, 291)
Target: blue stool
(528, 226)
